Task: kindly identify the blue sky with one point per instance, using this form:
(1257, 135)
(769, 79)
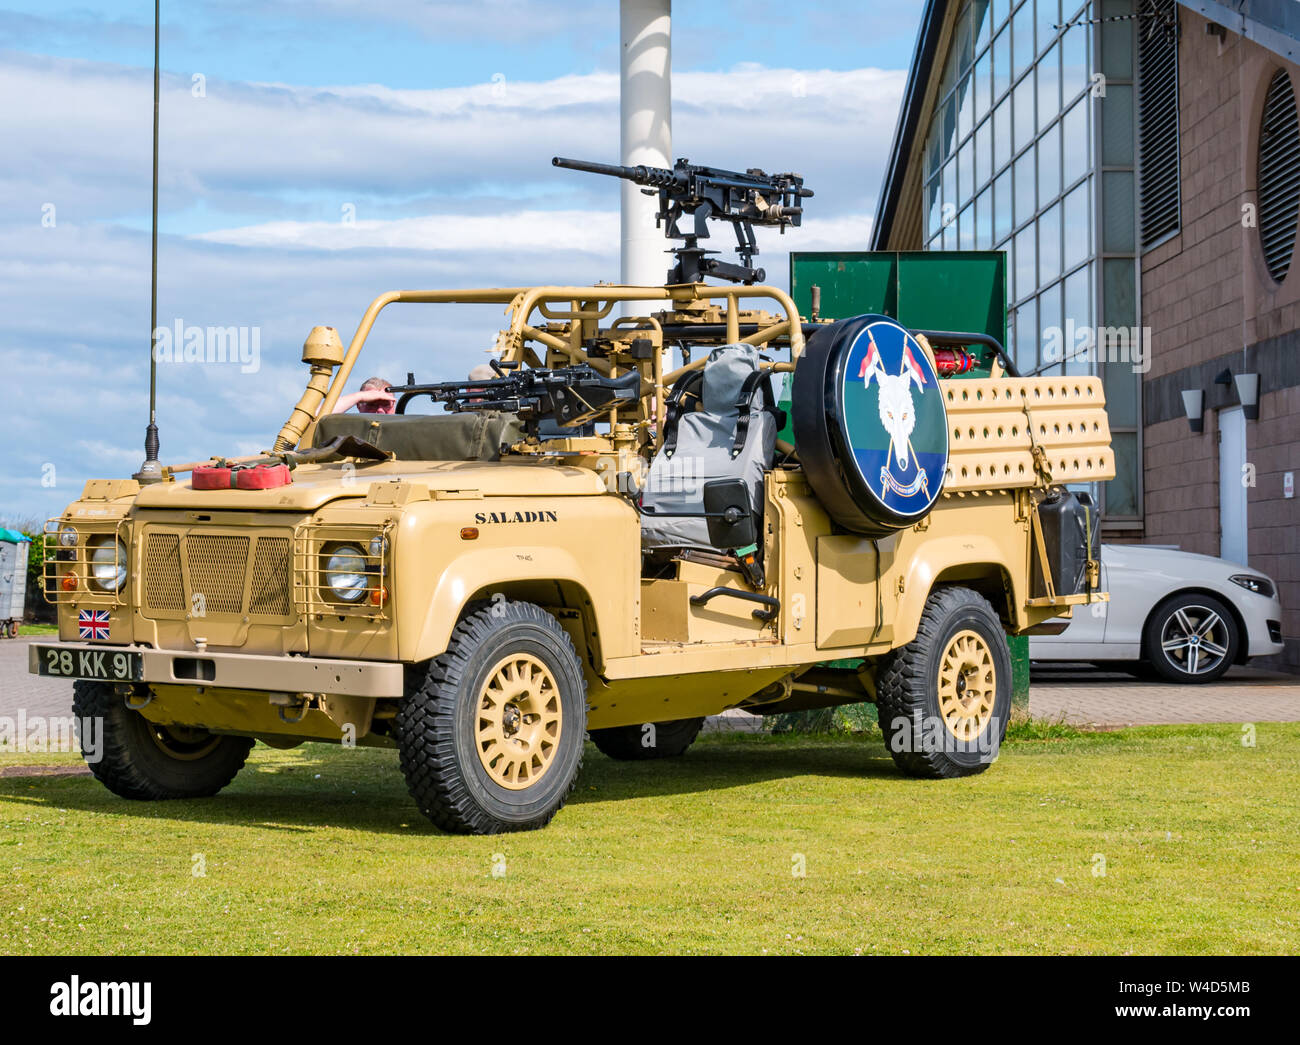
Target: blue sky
(431, 124)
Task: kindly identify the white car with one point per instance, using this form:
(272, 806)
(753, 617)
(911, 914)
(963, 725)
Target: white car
(1189, 617)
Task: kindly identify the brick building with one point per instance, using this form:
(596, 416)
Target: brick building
(1139, 162)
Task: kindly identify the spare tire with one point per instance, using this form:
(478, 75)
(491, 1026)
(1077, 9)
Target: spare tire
(870, 424)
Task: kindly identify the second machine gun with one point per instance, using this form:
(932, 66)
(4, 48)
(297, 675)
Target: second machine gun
(745, 199)
(569, 396)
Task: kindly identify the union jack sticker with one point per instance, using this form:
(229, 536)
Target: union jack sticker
(92, 624)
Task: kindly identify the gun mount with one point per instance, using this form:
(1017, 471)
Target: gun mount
(745, 199)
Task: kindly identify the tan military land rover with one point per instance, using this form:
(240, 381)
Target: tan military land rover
(593, 542)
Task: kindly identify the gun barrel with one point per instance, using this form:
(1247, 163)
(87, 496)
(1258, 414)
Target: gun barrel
(656, 176)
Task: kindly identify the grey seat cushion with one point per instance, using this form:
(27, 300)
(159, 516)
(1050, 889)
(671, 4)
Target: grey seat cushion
(703, 453)
(439, 437)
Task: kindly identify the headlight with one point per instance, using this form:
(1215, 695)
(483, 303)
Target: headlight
(346, 573)
(68, 537)
(107, 563)
(1259, 585)
(378, 546)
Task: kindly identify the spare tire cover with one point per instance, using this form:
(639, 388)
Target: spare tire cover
(870, 425)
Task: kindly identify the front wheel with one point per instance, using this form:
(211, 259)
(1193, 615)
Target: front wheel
(1191, 638)
(136, 758)
(490, 735)
(945, 697)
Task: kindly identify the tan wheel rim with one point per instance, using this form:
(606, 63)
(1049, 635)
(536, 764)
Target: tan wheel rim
(968, 685)
(183, 743)
(517, 729)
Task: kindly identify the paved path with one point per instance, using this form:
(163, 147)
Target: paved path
(1079, 694)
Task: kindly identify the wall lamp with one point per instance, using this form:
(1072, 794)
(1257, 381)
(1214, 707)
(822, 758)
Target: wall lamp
(1248, 394)
(1194, 408)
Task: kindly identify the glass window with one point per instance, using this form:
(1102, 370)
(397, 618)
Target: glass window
(1076, 226)
(1049, 88)
(1002, 223)
(1049, 16)
(983, 154)
(949, 126)
(965, 173)
(1049, 244)
(1022, 40)
(965, 108)
(1118, 293)
(1002, 134)
(966, 228)
(950, 235)
(1027, 336)
(1025, 180)
(1050, 329)
(999, 12)
(980, 16)
(1119, 221)
(1074, 60)
(1026, 263)
(984, 220)
(1078, 320)
(1117, 41)
(949, 193)
(1049, 164)
(1075, 142)
(963, 47)
(1117, 133)
(934, 214)
(980, 79)
(1121, 492)
(1024, 99)
(1001, 63)
(1121, 394)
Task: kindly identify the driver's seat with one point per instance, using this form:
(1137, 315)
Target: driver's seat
(732, 435)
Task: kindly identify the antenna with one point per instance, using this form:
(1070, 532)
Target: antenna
(151, 471)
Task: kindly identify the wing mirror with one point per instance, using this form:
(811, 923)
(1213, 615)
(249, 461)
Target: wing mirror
(729, 514)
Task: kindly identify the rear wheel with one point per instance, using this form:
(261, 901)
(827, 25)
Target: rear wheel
(648, 740)
(144, 760)
(945, 697)
(490, 734)
(1191, 638)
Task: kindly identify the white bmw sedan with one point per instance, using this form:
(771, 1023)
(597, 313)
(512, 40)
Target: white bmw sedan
(1189, 617)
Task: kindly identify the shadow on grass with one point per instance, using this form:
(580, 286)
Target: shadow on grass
(368, 793)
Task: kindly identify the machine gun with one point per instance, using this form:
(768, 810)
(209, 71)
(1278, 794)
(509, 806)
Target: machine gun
(569, 396)
(744, 199)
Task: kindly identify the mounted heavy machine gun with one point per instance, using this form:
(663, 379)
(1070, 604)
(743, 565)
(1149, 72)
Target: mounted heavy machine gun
(710, 193)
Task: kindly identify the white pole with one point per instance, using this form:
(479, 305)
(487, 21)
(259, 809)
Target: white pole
(646, 131)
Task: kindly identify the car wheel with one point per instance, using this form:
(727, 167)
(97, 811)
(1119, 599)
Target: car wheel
(944, 698)
(490, 735)
(1191, 638)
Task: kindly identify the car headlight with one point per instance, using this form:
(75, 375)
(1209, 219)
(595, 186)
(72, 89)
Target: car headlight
(1259, 585)
(346, 573)
(107, 563)
(67, 537)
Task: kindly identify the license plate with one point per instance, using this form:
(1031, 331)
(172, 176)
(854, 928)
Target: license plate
(107, 664)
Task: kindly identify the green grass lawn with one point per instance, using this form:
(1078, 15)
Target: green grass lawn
(320, 850)
(38, 629)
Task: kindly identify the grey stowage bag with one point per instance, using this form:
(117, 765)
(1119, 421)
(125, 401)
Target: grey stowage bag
(703, 452)
(469, 436)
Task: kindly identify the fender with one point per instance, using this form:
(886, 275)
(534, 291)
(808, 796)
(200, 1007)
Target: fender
(970, 556)
(593, 547)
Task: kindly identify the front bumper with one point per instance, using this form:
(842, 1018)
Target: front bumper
(262, 673)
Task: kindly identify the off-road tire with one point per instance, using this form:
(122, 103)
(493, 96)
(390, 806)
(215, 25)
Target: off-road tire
(628, 743)
(135, 761)
(437, 724)
(1226, 635)
(908, 689)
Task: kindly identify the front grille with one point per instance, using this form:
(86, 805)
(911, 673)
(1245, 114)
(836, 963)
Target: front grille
(217, 574)
(163, 587)
(217, 568)
(1274, 631)
(269, 592)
